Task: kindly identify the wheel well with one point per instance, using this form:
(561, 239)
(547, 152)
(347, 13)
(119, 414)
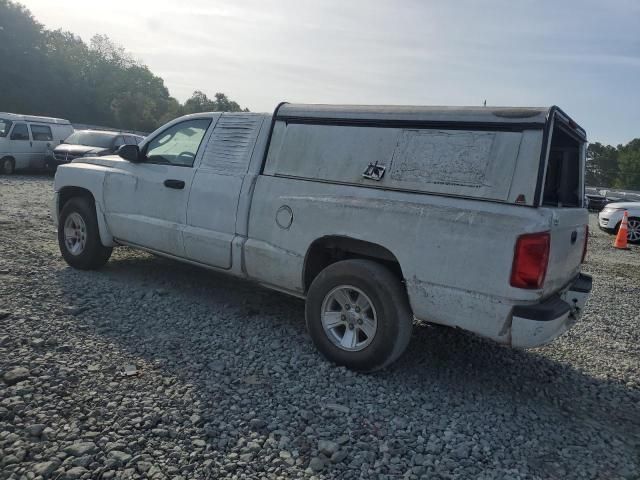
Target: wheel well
(327, 250)
(67, 193)
(10, 158)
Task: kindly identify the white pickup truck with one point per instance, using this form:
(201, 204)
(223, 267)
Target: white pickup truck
(461, 216)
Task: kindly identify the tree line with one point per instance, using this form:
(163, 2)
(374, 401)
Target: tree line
(609, 166)
(55, 73)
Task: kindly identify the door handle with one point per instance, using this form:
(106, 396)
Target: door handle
(177, 184)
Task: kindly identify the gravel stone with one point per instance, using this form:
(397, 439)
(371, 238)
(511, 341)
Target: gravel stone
(339, 456)
(9, 460)
(229, 384)
(327, 447)
(80, 449)
(316, 464)
(44, 469)
(120, 457)
(36, 429)
(16, 375)
(75, 472)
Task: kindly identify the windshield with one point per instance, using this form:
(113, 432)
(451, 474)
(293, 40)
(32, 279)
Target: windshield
(5, 126)
(91, 139)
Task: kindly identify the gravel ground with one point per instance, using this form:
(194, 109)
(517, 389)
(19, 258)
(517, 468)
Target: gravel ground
(227, 382)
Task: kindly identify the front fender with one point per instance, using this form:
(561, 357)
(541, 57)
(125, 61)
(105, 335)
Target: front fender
(83, 178)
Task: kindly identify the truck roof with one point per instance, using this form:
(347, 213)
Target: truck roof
(33, 118)
(425, 116)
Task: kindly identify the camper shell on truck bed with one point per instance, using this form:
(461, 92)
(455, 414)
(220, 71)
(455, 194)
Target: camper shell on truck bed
(462, 216)
(474, 152)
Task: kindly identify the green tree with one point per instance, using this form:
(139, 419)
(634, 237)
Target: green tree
(602, 165)
(199, 102)
(629, 165)
(55, 73)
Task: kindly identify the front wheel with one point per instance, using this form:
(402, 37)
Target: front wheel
(7, 166)
(79, 237)
(358, 314)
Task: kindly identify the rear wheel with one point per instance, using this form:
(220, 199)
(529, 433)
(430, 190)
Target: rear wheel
(7, 167)
(633, 230)
(358, 314)
(79, 237)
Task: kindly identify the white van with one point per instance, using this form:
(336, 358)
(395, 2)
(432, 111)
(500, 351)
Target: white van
(25, 141)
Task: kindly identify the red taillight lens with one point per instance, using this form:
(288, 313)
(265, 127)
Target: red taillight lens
(586, 240)
(530, 260)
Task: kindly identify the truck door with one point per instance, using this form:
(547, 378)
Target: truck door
(215, 192)
(20, 145)
(146, 202)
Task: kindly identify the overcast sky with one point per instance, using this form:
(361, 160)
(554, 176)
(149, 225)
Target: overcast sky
(583, 55)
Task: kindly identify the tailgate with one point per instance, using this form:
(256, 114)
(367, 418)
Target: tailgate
(568, 234)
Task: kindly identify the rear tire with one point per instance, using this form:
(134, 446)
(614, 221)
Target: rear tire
(7, 166)
(79, 236)
(358, 315)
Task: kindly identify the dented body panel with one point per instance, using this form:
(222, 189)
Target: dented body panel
(445, 246)
(445, 191)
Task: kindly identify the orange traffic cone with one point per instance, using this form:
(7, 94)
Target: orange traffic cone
(621, 237)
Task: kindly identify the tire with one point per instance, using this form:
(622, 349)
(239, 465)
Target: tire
(7, 167)
(87, 252)
(364, 281)
(633, 230)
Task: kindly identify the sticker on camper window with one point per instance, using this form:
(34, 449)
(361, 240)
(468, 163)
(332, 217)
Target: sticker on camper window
(442, 156)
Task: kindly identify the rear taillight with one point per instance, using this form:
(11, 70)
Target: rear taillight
(530, 260)
(586, 240)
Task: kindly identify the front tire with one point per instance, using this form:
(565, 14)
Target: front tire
(79, 237)
(7, 167)
(358, 315)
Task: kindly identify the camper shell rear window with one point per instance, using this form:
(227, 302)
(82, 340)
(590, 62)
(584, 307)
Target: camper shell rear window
(562, 185)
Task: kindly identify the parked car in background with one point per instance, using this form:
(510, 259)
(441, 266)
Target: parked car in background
(610, 217)
(373, 214)
(90, 143)
(620, 195)
(596, 202)
(25, 140)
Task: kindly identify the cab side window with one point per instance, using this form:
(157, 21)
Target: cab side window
(20, 132)
(41, 133)
(178, 144)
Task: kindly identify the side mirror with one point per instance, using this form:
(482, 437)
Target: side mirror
(130, 153)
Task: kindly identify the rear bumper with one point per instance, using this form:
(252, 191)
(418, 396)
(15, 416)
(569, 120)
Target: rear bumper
(539, 324)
